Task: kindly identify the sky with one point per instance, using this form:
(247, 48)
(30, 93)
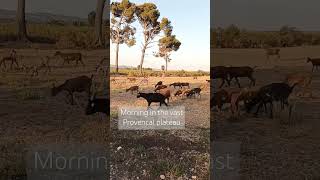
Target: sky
(266, 14)
(191, 25)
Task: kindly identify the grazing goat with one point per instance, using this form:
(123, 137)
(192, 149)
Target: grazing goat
(244, 71)
(12, 58)
(178, 93)
(269, 93)
(67, 57)
(219, 98)
(244, 95)
(153, 97)
(78, 84)
(184, 84)
(166, 93)
(175, 84)
(158, 84)
(98, 105)
(194, 92)
(132, 79)
(133, 88)
(160, 87)
(219, 72)
(272, 51)
(315, 62)
(302, 79)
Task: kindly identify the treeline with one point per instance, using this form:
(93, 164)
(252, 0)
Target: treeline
(234, 37)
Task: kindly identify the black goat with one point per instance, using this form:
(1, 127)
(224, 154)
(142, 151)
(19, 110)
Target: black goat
(244, 71)
(269, 93)
(153, 97)
(158, 83)
(98, 105)
(219, 72)
(315, 62)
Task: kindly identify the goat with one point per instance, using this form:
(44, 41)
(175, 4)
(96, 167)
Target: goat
(244, 71)
(302, 79)
(244, 95)
(268, 94)
(175, 84)
(315, 62)
(132, 79)
(272, 51)
(11, 58)
(219, 72)
(184, 84)
(166, 93)
(194, 92)
(98, 105)
(133, 88)
(160, 87)
(219, 98)
(153, 97)
(67, 57)
(178, 93)
(78, 84)
(158, 84)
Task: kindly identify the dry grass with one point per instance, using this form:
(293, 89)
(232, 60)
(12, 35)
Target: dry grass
(276, 148)
(30, 116)
(177, 154)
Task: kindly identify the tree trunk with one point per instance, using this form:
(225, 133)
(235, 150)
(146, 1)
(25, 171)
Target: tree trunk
(117, 58)
(166, 65)
(98, 23)
(142, 58)
(21, 21)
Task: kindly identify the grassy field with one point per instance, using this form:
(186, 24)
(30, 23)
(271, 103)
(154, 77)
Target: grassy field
(66, 36)
(31, 116)
(176, 154)
(157, 73)
(276, 148)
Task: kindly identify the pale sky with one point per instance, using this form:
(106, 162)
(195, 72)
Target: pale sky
(266, 14)
(191, 25)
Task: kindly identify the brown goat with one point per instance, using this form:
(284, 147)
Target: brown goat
(243, 71)
(219, 72)
(160, 87)
(166, 93)
(67, 57)
(132, 79)
(302, 79)
(133, 88)
(78, 84)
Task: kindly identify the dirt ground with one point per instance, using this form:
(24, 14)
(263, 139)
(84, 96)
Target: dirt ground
(276, 148)
(29, 115)
(176, 154)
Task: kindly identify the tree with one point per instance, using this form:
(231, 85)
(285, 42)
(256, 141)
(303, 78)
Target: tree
(91, 18)
(147, 15)
(231, 34)
(21, 21)
(98, 23)
(121, 31)
(167, 44)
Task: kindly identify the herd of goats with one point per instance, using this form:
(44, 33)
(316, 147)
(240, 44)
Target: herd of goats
(268, 94)
(261, 97)
(162, 93)
(78, 84)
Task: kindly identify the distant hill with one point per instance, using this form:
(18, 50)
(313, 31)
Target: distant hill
(10, 15)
